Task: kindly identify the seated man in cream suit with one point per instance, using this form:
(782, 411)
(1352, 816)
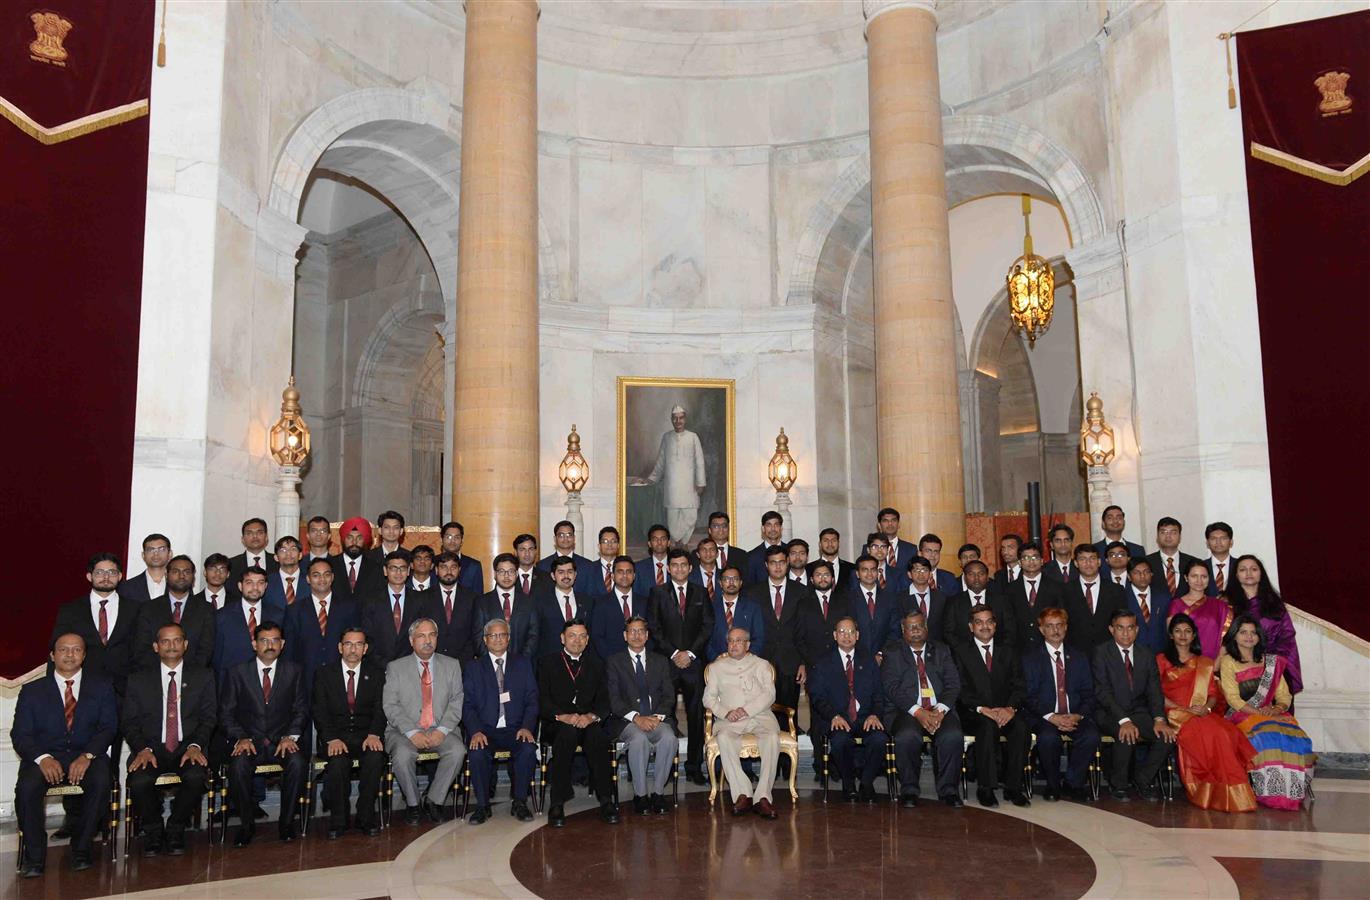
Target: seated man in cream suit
(422, 701)
(739, 689)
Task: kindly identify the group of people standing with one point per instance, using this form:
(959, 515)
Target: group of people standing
(378, 654)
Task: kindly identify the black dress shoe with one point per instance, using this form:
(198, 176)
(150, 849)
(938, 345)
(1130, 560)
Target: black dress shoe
(556, 816)
(909, 801)
(64, 831)
(849, 794)
(32, 870)
(986, 797)
(1076, 794)
(641, 805)
(244, 837)
(371, 830)
(480, 816)
(1018, 798)
(953, 801)
(1119, 794)
(152, 844)
(411, 815)
(258, 813)
(658, 804)
(519, 810)
(608, 811)
(80, 862)
(334, 833)
(1149, 793)
(435, 812)
(174, 845)
(866, 794)
(288, 834)
(1050, 795)
(696, 777)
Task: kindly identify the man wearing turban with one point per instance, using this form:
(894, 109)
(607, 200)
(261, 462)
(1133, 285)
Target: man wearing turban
(680, 469)
(354, 573)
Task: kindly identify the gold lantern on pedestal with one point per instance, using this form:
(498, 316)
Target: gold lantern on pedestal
(782, 470)
(1096, 437)
(1031, 286)
(290, 435)
(574, 471)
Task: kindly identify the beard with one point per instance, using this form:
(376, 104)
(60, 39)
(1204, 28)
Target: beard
(352, 552)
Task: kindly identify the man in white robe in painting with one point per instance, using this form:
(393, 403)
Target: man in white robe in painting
(680, 470)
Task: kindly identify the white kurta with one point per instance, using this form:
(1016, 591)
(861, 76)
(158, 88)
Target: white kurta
(680, 471)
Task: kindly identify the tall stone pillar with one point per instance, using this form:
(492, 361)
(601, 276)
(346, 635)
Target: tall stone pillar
(495, 425)
(919, 442)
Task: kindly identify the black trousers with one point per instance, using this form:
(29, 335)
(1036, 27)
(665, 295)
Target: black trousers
(908, 753)
(482, 762)
(1156, 752)
(1084, 740)
(147, 802)
(689, 682)
(91, 808)
(846, 755)
(1017, 737)
(563, 739)
(240, 776)
(337, 781)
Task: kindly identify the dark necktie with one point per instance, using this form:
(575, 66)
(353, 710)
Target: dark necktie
(499, 683)
(722, 558)
(989, 660)
(627, 607)
(824, 598)
(173, 725)
(525, 582)
(176, 611)
(1170, 575)
(252, 620)
(882, 577)
(447, 605)
(1218, 581)
(351, 691)
(681, 592)
(323, 618)
(851, 691)
(923, 605)
(1146, 609)
(289, 590)
(352, 574)
(507, 611)
(644, 700)
(779, 603)
(870, 604)
(1089, 598)
(709, 584)
(1127, 664)
(1032, 592)
(923, 686)
(104, 622)
(397, 613)
(608, 576)
(69, 705)
(1062, 702)
(660, 574)
(570, 613)
(728, 613)
(266, 684)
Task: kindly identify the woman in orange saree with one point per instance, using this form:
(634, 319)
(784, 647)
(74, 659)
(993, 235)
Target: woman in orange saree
(1214, 754)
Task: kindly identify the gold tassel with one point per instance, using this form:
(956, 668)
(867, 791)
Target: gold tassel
(1226, 38)
(162, 40)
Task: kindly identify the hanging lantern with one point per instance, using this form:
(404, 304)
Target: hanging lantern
(1031, 286)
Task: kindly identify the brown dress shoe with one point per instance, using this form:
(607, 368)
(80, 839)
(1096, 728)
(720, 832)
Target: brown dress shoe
(764, 809)
(742, 805)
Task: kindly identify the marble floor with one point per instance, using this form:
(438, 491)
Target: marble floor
(1105, 849)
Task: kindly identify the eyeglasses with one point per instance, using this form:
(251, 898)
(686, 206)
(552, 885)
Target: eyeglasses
(397, 567)
(106, 572)
(846, 631)
(270, 642)
(497, 636)
(156, 550)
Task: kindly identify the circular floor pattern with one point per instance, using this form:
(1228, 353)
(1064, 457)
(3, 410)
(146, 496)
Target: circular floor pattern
(849, 850)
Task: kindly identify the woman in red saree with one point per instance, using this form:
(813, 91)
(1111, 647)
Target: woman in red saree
(1214, 754)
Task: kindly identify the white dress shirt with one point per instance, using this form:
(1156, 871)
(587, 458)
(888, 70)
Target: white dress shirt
(1059, 683)
(495, 657)
(155, 589)
(849, 658)
(180, 698)
(62, 692)
(639, 656)
(111, 609)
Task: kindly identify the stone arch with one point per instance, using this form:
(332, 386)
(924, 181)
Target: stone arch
(385, 371)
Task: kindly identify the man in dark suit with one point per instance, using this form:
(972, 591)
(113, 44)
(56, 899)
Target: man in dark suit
(505, 602)
(834, 602)
(797, 552)
(1059, 700)
(992, 690)
(682, 621)
(501, 712)
(315, 623)
(421, 579)
(63, 727)
(355, 574)
(772, 524)
(390, 527)
(848, 700)
(1114, 521)
(319, 534)
(922, 595)
(196, 618)
(455, 610)
(876, 611)
(1131, 707)
(218, 590)
(560, 605)
(1218, 536)
(830, 551)
(705, 571)
(794, 625)
(388, 613)
(287, 582)
(168, 719)
(611, 612)
(930, 548)
(887, 578)
(471, 575)
(1032, 593)
(237, 622)
(733, 610)
(105, 621)
(720, 530)
(529, 581)
(1091, 601)
(1115, 559)
(921, 687)
(265, 710)
(1061, 566)
(1010, 569)
(1169, 562)
(1148, 600)
(349, 718)
(151, 582)
(254, 551)
(642, 715)
(900, 552)
(564, 544)
(574, 702)
(650, 571)
(978, 591)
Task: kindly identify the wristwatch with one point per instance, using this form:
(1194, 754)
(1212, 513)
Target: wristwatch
(88, 755)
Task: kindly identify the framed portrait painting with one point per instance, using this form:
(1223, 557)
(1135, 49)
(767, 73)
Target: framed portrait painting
(676, 451)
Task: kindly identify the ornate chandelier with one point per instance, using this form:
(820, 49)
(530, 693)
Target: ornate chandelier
(1031, 286)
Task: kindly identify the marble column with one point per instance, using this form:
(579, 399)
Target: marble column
(917, 395)
(495, 421)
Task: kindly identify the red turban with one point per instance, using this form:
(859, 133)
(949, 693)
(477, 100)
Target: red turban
(360, 524)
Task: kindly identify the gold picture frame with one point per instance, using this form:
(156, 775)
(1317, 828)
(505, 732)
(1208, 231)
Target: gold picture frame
(644, 406)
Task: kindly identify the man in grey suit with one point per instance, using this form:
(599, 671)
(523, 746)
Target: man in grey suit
(921, 687)
(1130, 706)
(422, 701)
(642, 715)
